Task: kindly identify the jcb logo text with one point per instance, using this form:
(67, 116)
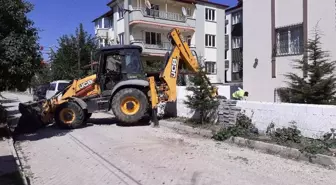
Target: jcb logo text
(173, 68)
(85, 84)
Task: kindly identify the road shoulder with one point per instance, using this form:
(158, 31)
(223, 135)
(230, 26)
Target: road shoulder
(269, 148)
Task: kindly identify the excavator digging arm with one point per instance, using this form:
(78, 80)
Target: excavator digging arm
(168, 89)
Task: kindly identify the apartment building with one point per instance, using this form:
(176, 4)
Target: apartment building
(234, 43)
(275, 33)
(201, 23)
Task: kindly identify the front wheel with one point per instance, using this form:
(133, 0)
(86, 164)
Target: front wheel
(129, 105)
(69, 115)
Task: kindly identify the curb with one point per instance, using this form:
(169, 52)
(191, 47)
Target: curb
(19, 165)
(178, 126)
(285, 152)
(269, 148)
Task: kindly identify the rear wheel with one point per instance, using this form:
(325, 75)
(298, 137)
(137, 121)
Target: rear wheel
(129, 105)
(69, 115)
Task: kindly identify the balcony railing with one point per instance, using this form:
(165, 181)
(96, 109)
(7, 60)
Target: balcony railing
(159, 45)
(162, 14)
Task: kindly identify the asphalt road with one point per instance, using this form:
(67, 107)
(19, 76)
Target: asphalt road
(110, 154)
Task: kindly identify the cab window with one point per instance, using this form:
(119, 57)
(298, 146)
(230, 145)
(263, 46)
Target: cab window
(132, 62)
(62, 86)
(52, 87)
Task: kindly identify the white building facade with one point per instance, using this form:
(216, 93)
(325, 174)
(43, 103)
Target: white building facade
(201, 24)
(234, 44)
(275, 33)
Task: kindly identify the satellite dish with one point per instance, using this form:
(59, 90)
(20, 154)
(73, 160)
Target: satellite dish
(148, 4)
(184, 11)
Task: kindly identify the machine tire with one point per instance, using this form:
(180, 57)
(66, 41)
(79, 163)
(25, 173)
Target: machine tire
(139, 99)
(77, 119)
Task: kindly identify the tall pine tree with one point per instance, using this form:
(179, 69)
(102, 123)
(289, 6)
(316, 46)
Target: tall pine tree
(319, 86)
(73, 53)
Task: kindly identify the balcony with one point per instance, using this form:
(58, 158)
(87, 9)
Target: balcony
(102, 32)
(105, 33)
(159, 49)
(161, 17)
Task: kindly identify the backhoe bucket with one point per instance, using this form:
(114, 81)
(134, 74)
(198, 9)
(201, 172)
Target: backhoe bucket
(31, 119)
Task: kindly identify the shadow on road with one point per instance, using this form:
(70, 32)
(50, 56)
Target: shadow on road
(43, 133)
(114, 121)
(28, 130)
(8, 171)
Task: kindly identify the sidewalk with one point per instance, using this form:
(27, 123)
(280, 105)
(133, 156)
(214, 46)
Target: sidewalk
(9, 170)
(9, 174)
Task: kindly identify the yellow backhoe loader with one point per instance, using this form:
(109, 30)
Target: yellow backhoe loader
(119, 84)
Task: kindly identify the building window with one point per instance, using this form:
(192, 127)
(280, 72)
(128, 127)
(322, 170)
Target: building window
(237, 42)
(101, 42)
(120, 12)
(188, 10)
(153, 11)
(226, 26)
(99, 23)
(226, 53)
(153, 38)
(121, 38)
(289, 40)
(106, 23)
(237, 71)
(236, 18)
(110, 20)
(210, 14)
(189, 40)
(210, 40)
(235, 67)
(210, 68)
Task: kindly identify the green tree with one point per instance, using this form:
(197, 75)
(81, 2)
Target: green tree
(153, 66)
(73, 53)
(200, 100)
(43, 76)
(20, 57)
(319, 86)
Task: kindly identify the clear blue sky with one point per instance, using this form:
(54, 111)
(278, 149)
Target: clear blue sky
(58, 17)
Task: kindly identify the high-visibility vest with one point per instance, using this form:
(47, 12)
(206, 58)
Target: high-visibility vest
(238, 94)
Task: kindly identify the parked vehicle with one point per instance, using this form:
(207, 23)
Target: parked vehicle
(40, 91)
(56, 86)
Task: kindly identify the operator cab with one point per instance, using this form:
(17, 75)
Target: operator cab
(118, 63)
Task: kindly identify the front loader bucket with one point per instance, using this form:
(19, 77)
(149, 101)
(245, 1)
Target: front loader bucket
(30, 120)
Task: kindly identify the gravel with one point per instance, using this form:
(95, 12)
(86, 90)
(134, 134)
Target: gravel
(107, 153)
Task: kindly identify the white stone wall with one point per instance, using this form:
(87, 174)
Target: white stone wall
(312, 120)
(183, 111)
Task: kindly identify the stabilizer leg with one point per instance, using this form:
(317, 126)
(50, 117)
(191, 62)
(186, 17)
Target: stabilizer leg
(155, 119)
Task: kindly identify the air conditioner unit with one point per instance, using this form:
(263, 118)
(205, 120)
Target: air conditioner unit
(227, 64)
